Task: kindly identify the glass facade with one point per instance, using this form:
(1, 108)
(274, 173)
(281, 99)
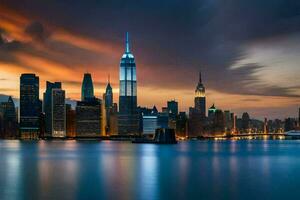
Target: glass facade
(30, 106)
(87, 90)
(58, 113)
(128, 115)
(127, 73)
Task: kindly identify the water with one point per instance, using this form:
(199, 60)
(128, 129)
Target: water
(253, 169)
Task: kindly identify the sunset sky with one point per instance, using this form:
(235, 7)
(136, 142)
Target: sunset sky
(248, 51)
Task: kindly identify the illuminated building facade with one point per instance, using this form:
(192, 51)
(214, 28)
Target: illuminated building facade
(30, 106)
(88, 118)
(197, 114)
(128, 113)
(58, 109)
(47, 106)
(200, 99)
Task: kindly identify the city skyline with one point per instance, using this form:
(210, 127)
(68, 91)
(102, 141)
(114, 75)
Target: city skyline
(251, 80)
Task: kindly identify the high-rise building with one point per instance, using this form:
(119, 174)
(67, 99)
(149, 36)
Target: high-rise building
(289, 124)
(245, 122)
(149, 120)
(88, 118)
(150, 124)
(114, 120)
(108, 95)
(128, 113)
(228, 121)
(200, 99)
(108, 108)
(211, 112)
(58, 108)
(172, 108)
(87, 89)
(197, 114)
(70, 121)
(47, 106)
(9, 117)
(30, 106)
(181, 124)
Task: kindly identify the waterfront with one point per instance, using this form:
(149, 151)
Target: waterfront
(245, 169)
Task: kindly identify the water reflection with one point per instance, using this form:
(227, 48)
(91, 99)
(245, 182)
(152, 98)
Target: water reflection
(121, 170)
(12, 171)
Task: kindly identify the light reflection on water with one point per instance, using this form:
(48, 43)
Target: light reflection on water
(121, 170)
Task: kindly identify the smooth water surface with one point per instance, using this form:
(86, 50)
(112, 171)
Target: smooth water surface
(254, 169)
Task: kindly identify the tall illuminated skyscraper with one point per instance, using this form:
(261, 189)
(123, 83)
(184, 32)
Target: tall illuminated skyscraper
(197, 114)
(128, 114)
(87, 89)
(200, 99)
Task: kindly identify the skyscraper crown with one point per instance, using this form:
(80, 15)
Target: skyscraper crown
(127, 53)
(200, 89)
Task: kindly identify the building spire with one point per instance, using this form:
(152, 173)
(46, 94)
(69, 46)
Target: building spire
(127, 43)
(108, 78)
(200, 78)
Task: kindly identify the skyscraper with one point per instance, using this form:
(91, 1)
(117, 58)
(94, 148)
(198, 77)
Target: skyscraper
(9, 126)
(108, 108)
(70, 121)
(200, 99)
(245, 122)
(47, 106)
(128, 113)
(58, 113)
(30, 106)
(172, 108)
(108, 95)
(197, 114)
(87, 89)
(88, 118)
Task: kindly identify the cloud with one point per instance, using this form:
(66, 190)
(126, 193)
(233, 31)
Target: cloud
(171, 42)
(37, 31)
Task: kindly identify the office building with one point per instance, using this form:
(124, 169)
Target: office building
(58, 109)
(181, 124)
(47, 106)
(9, 119)
(128, 113)
(30, 106)
(200, 98)
(197, 114)
(87, 88)
(108, 109)
(88, 118)
(70, 121)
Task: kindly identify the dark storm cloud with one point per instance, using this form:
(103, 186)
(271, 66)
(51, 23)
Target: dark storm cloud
(173, 40)
(37, 31)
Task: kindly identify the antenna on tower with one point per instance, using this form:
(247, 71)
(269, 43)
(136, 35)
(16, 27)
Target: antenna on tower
(200, 78)
(108, 78)
(127, 42)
